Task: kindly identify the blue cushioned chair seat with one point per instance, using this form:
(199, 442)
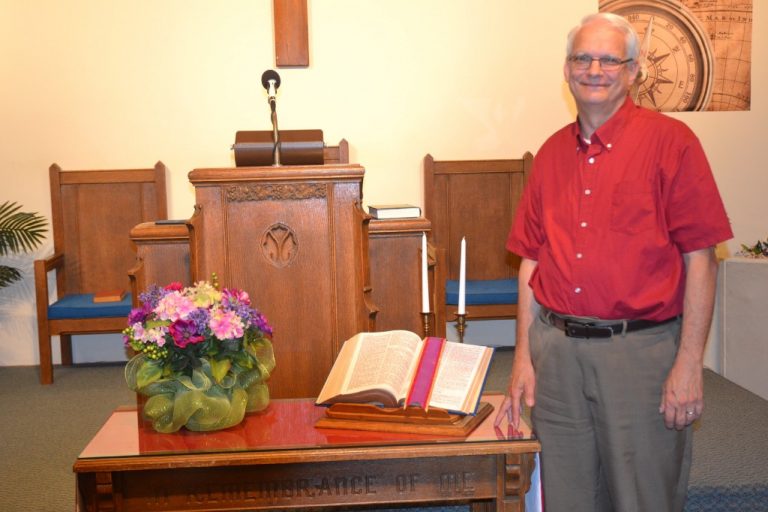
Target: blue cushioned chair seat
(82, 306)
(489, 291)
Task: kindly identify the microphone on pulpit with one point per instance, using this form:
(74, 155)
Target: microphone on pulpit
(271, 82)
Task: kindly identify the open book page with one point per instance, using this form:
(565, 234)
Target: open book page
(336, 377)
(460, 376)
(384, 360)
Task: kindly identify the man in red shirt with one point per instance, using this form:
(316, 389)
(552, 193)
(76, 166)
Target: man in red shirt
(616, 230)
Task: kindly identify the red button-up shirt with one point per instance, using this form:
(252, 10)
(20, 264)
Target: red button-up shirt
(608, 221)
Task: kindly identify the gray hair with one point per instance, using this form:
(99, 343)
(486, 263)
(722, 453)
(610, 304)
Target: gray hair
(616, 21)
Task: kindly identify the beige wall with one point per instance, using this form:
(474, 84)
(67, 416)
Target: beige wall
(112, 84)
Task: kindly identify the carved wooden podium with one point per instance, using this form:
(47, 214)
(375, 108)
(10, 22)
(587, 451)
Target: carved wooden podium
(296, 239)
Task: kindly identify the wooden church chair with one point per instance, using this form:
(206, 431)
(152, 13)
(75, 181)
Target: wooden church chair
(476, 199)
(93, 212)
(336, 154)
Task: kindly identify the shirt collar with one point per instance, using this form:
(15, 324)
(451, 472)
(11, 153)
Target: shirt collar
(609, 131)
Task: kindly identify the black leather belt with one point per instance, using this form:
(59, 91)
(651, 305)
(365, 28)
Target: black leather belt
(584, 328)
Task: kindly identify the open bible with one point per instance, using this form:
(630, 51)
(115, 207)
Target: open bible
(398, 369)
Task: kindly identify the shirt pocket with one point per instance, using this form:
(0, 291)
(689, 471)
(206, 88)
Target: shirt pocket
(633, 208)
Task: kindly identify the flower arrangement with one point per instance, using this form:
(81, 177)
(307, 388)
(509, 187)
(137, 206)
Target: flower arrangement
(203, 356)
(759, 250)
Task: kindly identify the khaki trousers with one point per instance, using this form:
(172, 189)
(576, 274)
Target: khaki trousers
(604, 443)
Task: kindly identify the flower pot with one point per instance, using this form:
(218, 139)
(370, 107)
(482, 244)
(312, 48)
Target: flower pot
(198, 402)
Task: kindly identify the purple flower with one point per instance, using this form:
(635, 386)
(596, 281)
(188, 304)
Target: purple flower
(184, 333)
(200, 317)
(137, 315)
(261, 323)
(151, 297)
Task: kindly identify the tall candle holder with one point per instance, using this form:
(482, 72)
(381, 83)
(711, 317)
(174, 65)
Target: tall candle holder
(425, 323)
(461, 325)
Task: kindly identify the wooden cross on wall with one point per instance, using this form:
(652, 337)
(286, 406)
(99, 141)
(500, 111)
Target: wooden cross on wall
(291, 33)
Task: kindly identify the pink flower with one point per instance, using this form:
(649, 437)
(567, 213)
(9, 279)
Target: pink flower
(174, 306)
(226, 325)
(154, 336)
(231, 297)
(174, 287)
(138, 331)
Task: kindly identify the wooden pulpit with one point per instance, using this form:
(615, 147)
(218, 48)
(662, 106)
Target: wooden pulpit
(296, 239)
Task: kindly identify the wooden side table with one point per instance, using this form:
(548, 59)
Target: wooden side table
(278, 459)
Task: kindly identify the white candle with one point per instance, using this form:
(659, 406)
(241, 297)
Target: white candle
(424, 280)
(463, 278)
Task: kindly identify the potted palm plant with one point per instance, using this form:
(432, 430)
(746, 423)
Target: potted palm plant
(19, 232)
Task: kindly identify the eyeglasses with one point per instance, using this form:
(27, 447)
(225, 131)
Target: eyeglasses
(607, 63)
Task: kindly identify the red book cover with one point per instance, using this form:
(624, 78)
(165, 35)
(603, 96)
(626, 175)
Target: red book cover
(425, 373)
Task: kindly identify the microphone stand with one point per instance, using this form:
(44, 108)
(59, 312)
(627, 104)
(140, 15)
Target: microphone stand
(271, 81)
(275, 133)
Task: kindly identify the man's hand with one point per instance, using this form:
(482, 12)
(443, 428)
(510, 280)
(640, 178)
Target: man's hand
(521, 387)
(682, 398)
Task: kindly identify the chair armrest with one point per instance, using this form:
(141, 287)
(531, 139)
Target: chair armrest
(42, 267)
(138, 280)
(55, 261)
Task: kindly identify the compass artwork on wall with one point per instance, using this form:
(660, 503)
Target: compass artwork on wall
(682, 68)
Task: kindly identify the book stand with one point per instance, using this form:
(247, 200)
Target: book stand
(412, 419)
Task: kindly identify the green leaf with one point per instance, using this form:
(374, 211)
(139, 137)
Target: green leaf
(153, 323)
(149, 372)
(760, 249)
(8, 275)
(243, 359)
(20, 231)
(219, 369)
(229, 347)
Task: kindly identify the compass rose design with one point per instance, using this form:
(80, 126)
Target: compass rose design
(655, 79)
(676, 57)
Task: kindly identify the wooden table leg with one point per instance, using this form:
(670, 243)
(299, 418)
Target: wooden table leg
(514, 481)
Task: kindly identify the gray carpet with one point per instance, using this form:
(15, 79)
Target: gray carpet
(44, 428)
(730, 450)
